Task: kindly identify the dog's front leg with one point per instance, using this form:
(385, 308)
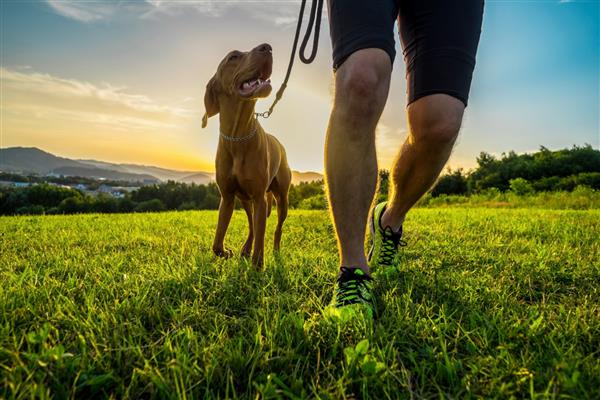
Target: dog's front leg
(260, 222)
(225, 211)
(247, 248)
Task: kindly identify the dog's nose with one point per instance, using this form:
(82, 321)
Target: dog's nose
(264, 48)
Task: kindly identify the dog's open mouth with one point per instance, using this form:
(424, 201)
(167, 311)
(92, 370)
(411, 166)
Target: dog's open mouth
(253, 85)
(258, 83)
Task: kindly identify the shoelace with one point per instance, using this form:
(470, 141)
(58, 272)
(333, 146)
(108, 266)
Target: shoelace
(349, 287)
(389, 248)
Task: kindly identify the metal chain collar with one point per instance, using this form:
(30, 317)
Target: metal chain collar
(239, 138)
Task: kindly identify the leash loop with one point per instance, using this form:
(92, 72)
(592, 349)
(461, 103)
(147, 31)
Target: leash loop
(314, 20)
(313, 28)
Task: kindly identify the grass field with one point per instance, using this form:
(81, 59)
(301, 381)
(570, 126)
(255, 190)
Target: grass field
(486, 303)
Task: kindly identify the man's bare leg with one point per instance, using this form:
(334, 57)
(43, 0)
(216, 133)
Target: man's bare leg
(361, 89)
(434, 122)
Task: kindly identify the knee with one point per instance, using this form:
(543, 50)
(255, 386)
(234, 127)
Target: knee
(436, 126)
(361, 81)
(362, 86)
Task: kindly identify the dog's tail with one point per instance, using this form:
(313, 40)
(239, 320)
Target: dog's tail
(269, 203)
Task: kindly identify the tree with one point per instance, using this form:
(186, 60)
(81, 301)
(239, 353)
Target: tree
(49, 196)
(453, 182)
(541, 169)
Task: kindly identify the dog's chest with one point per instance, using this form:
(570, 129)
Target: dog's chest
(248, 167)
(249, 175)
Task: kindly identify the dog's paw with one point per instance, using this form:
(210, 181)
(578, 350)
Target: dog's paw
(257, 262)
(246, 253)
(223, 253)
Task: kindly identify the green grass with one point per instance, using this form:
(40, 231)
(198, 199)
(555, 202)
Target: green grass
(487, 303)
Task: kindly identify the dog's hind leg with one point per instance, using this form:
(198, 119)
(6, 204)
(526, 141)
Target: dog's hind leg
(282, 210)
(225, 211)
(247, 248)
(269, 203)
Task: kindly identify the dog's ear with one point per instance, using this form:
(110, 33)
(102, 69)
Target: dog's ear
(211, 100)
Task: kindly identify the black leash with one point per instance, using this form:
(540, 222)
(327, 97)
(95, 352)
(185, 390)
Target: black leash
(314, 24)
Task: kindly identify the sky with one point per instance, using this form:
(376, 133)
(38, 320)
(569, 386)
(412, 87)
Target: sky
(123, 81)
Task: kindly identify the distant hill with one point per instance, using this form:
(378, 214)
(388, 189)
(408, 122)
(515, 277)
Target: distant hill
(161, 173)
(100, 173)
(31, 160)
(298, 177)
(27, 160)
(199, 178)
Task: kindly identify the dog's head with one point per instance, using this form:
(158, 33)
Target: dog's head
(241, 76)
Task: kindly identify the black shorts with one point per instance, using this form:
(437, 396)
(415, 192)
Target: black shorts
(439, 39)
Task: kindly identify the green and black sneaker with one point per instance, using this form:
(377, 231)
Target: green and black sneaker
(384, 242)
(353, 295)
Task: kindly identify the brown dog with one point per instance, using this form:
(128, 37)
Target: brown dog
(250, 163)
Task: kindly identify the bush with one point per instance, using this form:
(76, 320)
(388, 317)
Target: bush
(546, 184)
(126, 205)
(150, 206)
(317, 202)
(520, 186)
(303, 191)
(104, 204)
(72, 205)
(589, 179)
(30, 210)
(188, 205)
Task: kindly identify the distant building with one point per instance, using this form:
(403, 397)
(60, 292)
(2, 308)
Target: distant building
(15, 184)
(116, 191)
(105, 189)
(126, 189)
(59, 185)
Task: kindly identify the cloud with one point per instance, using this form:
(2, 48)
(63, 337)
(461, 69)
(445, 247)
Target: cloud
(176, 7)
(101, 120)
(44, 96)
(84, 11)
(284, 20)
(278, 12)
